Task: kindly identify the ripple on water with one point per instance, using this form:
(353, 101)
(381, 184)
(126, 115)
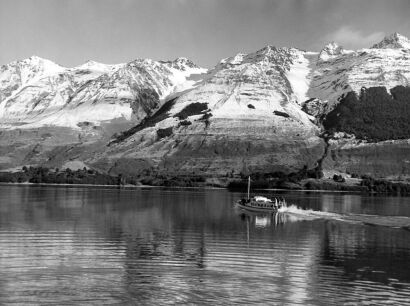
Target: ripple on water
(83, 247)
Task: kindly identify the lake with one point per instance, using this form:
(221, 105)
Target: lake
(154, 246)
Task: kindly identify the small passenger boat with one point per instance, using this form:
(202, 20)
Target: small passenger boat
(259, 203)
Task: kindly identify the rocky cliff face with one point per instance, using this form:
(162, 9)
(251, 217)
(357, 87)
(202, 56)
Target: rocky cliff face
(386, 159)
(257, 112)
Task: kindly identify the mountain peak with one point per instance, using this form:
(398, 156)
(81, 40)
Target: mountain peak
(91, 62)
(181, 63)
(393, 41)
(93, 65)
(34, 60)
(330, 51)
(234, 60)
(183, 60)
(332, 46)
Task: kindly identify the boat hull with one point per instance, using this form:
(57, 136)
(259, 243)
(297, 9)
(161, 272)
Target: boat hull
(256, 209)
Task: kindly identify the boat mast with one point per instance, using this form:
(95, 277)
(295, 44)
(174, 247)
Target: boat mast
(249, 185)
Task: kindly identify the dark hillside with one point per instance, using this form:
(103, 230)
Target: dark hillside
(374, 115)
(149, 121)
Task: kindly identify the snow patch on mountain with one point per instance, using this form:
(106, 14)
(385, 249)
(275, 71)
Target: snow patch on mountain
(255, 86)
(96, 66)
(299, 75)
(71, 117)
(234, 60)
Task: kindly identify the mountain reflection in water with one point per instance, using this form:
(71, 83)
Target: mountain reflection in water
(162, 246)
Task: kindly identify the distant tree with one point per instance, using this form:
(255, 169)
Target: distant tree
(339, 178)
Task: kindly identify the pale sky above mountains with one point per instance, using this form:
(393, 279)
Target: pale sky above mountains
(70, 32)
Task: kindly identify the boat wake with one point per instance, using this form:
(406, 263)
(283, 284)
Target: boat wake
(295, 213)
(308, 213)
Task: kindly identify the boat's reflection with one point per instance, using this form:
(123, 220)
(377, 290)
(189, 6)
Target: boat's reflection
(261, 220)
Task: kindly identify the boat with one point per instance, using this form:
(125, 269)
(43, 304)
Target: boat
(260, 203)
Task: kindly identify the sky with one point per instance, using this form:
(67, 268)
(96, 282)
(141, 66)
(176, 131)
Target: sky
(71, 32)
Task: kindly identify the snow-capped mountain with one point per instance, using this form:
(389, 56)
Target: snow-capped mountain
(37, 92)
(18, 73)
(248, 113)
(340, 71)
(248, 108)
(254, 86)
(253, 112)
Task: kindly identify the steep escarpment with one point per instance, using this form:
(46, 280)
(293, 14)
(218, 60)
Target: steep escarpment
(225, 147)
(386, 159)
(376, 128)
(50, 147)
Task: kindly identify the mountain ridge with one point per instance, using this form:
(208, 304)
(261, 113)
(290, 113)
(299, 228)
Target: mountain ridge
(13, 82)
(255, 112)
(46, 87)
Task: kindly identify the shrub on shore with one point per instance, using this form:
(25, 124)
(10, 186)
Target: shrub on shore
(339, 178)
(384, 186)
(48, 176)
(277, 179)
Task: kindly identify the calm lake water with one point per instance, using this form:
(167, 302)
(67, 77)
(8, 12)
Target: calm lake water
(185, 246)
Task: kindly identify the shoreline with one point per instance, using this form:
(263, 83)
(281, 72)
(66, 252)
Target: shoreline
(128, 186)
(292, 182)
(204, 187)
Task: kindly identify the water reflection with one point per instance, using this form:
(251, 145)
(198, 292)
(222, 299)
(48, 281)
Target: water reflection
(159, 246)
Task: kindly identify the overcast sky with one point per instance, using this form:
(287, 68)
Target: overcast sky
(70, 32)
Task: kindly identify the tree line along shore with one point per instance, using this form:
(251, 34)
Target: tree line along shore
(301, 180)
